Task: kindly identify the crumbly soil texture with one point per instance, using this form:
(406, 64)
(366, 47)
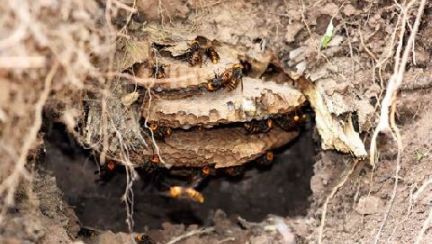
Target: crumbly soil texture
(320, 186)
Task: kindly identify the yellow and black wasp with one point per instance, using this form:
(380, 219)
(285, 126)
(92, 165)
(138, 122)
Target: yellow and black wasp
(208, 48)
(229, 79)
(258, 126)
(185, 192)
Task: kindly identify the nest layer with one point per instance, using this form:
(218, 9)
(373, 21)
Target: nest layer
(195, 126)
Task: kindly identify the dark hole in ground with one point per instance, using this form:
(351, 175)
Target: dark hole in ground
(282, 189)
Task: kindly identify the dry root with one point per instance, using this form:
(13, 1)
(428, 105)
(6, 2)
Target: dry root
(386, 121)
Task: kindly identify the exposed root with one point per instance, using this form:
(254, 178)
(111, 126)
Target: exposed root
(128, 196)
(396, 79)
(330, 196)
(388, 104)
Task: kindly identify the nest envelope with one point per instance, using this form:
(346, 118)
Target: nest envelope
(167, 89)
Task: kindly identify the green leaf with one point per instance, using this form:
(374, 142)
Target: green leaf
(328, 35)
(420, 154)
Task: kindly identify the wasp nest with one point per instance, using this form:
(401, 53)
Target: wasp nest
(193, 103)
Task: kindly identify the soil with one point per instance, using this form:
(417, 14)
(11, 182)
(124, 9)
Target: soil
(66, 201)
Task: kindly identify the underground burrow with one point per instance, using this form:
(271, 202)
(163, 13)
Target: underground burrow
(282, 189)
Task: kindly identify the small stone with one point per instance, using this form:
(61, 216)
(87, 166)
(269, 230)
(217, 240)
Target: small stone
(370, 205)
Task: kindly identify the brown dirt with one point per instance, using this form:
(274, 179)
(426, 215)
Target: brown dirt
(63, 185)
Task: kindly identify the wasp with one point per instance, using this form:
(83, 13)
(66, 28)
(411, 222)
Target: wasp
(266, 159)
(260, 126)
(234, 171)
(212, 55)
(194, 55)
(233, 76)
(208, 48)
(215, 84)
(159, 132)
(185, 192)
(158, 71)
(291, 122)
(207, 170)
(144, 239)
(229, 79)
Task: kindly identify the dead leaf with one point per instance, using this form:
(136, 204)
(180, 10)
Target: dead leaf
(335, 133)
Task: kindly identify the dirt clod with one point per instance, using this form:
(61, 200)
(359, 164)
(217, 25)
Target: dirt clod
(370, 205)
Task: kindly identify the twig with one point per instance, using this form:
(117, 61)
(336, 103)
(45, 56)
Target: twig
(125, 6)
(303, 17)
(132, 10)
(191, 233)
(365, 47)
(329, 197)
